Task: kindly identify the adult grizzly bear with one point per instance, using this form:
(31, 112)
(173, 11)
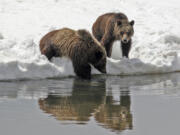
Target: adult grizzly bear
(114, 26)
(82, 48)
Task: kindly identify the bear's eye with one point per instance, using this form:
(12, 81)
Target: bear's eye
(128, 33)
(122, 33)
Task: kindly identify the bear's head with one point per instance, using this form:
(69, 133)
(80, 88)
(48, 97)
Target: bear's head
(123, 30)
(98, 59)
(96, 53)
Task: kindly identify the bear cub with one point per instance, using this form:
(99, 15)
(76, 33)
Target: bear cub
(110, 27)
(80, 46)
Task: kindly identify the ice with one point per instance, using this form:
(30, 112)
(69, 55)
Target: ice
(155, 48)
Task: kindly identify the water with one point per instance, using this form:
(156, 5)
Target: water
(129, 105)
(155, 47)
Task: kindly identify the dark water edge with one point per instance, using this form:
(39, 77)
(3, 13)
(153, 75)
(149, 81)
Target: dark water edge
(106, 105)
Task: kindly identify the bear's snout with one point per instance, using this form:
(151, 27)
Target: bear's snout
(125, 41)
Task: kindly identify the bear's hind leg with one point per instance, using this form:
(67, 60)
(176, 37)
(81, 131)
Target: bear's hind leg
(109, 49)
(107, 41)
(96, 32)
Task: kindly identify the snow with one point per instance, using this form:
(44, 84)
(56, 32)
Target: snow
(155, 48)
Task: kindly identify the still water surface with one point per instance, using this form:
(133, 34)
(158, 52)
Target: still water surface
(106, 105)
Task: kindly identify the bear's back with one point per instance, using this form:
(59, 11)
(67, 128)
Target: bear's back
(64, 40)
(100, 24)
(46, 39)
(105, 18)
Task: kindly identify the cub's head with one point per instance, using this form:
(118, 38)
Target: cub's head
(124, 30)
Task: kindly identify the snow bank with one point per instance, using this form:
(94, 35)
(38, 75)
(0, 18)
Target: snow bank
(156, 43)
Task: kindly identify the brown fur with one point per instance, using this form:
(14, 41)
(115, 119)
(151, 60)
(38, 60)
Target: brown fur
(114, 26)
(79, 46)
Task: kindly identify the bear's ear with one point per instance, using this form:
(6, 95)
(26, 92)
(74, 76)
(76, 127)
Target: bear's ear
(132, 22)
(98, 55)
(85, 34)
(119, 23)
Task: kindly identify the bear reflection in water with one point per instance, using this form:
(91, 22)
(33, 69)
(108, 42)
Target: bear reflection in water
(89, 99)
(79, 106)
(115, 116)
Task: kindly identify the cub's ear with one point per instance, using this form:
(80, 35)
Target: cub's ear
(119, 23)
(98, 55)
(132, 22)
